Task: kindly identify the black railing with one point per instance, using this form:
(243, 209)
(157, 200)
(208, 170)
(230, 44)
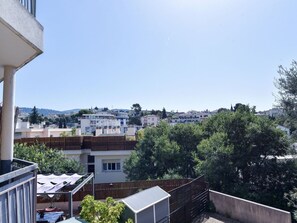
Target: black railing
(30, 5)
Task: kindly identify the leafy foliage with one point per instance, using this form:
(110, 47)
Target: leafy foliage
(164, 113)
(287, 86)
(95, 211)
(134, 118)
(49, 160)
(238, 157)
(164, 150)
(236, 151)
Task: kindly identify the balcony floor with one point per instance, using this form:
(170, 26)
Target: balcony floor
(214, 218)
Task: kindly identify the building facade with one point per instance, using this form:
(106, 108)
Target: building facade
(149, 120)
(102, 155)
(101, 123)
(190, 117)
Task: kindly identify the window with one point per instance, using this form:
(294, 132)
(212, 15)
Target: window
(111, 165)
(91, 168)
(91, 159)
(91, 164)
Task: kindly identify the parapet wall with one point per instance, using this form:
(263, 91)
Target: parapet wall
(246, 211)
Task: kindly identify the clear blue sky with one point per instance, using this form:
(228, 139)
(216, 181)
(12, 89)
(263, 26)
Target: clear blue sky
(178, 54)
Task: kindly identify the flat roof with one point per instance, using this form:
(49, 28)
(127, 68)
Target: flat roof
(146, 198)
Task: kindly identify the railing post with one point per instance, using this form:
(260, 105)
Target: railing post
(70, 204)
(34, 196)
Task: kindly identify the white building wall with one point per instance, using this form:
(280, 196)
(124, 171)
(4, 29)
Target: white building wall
(100, 124)
(150, 120)
(100, 175)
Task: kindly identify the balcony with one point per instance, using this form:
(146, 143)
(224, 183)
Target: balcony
(30, 5)
(21, 38)
(18, 193)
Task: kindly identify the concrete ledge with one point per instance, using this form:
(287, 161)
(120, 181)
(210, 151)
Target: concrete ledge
(22, 22)
(247, 211)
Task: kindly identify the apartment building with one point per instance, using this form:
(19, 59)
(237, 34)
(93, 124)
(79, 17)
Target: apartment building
(101, 123)
(190, 117)
(149, 120)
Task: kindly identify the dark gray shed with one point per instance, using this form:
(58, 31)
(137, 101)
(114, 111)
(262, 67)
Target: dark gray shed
(148, 206)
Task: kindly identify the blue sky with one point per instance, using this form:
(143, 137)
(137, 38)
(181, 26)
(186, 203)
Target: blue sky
(178, 54)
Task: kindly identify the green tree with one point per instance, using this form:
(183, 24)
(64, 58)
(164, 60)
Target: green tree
(49, 160)
(84, 111)
(134, 119)
(187, 137)
(287, 94)
(94, 211)
(164, 113)
(238, 157)
(287, 86)
(34, 117)
(164, 151)
(136, 108)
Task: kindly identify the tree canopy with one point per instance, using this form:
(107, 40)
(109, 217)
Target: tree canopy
(164, 150)
(34, 117)
(134, 118)
(49, 160)
(236, 151)
(95, 211)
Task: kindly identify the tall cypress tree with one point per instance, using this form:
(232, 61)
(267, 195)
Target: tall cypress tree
(34, 117)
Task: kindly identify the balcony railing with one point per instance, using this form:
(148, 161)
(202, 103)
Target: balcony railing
(18, 193)
(30, 5)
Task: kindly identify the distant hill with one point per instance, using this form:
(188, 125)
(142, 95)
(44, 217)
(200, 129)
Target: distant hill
(45, 111)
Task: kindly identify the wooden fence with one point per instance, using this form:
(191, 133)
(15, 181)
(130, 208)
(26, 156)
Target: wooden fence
(125, 189)
(99, 143)
(120, 190)
(189, 201)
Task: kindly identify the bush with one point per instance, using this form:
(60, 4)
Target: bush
(50, 161)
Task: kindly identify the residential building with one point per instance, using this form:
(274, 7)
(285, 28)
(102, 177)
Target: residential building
(21, 40)
(274, 112)
(102, 155)
(101, 123)
(149, 120)
(123, 118)
(190, 117)
(284, 129)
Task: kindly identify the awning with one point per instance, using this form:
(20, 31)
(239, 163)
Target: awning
(52, 183)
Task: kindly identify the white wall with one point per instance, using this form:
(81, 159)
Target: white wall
(102, 176)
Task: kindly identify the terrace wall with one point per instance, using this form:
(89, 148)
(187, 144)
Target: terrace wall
(247, 211)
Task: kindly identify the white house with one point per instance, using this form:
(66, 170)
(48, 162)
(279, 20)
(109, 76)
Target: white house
(104, 156)
(99, 124)
(149, 120)
(190, 117)
(25, 130)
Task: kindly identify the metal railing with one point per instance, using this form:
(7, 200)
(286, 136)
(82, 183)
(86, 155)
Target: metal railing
(18, 193)
(30, 5)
